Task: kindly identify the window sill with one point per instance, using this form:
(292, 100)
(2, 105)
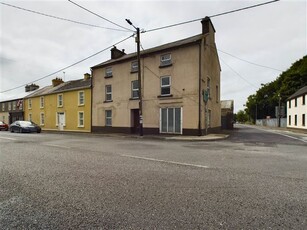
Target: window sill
(80, 126)
(108, 101)
(134, 71)
(134, 99)
(108, 76)
(165, 96)
(165, 66)
(81, 105)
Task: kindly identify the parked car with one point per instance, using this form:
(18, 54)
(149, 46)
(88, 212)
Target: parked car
(25, 127)
(3, 126)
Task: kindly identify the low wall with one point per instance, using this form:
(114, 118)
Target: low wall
(272, 122)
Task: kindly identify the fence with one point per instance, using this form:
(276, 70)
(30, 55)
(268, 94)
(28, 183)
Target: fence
(272, 122)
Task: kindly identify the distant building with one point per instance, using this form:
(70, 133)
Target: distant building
(297, 110)
(62, 106)
(174, 79)
(227, 113)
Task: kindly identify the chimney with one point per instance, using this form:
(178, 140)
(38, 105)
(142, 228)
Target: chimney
(87, 76)
(116, 53)
(27, 88)
(57, 81)
(32, 87)
(207, 26)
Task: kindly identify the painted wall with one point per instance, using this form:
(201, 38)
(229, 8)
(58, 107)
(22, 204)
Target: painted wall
(297, 111)
(70, 108)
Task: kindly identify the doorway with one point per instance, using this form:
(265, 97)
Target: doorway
(135, 122)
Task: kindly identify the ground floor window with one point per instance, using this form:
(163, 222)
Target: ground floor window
(171, 120)
(42, 119)
(108, 117)
(81, 119)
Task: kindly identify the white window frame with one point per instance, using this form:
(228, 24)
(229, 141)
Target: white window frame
(3, 107)
(108, 93)
(30, 116)
(9, 106)
(108, 118)
(29, 103)
(60, 105)
(42, 102)
(81, 103)
(109, 72)
(14, 105)
(42, 118)
(166, 86)
(133, 90)
(81, 119)
(134, 66)
(165, 59)
(174, 120)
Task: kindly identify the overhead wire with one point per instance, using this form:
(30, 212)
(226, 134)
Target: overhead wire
(127, 29)
(212, 16)
(69, 66)
(60, 18)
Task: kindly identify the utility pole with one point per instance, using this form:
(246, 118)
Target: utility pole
(279, 113)
(137, 40)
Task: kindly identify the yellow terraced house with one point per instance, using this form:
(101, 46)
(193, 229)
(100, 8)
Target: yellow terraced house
(62, 106)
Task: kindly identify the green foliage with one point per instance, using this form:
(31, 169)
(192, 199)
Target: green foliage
(268, 96)
(241, 116)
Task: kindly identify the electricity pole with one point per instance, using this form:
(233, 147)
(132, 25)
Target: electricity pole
(137, 40)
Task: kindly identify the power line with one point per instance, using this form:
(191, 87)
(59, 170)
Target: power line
(212, 16)
(60, 70)
(60, 18)
(127, 29)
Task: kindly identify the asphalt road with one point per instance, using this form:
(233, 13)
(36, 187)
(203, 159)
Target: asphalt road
(255, 179)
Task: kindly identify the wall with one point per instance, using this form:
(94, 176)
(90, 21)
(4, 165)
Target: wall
(272, 122)
(298, 110)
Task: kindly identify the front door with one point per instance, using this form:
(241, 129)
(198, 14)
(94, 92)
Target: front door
(61, 121)
(135, 123)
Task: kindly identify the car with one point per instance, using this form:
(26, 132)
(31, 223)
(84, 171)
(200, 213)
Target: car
(3, 126)
(25, 127)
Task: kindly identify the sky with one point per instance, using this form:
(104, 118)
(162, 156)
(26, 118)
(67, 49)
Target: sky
(33, 46)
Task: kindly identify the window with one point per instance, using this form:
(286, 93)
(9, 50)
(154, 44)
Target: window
(165, 85)
(295, 120)
(109, 72)
(30, 116)
(170, 120)
(3, 106)
(209, 87)
(217, 93)
(42, 102)
(14, 105)
(10, 106)
(81, 119)
(42, 119)
(30, 103)
(60, 100)
(165, 60)
(135, 89)
(303, 120)
(295, 102)
(303, 100)
(108, 93)
(134, 67)
(289, 104)
(289, 120)
(81, 98)
(108, 117)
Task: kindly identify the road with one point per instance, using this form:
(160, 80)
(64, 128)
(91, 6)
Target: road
(255, 179)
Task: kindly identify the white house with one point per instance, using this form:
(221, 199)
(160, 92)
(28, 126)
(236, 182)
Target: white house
(297, 110)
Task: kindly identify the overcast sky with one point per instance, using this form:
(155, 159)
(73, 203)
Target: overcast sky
(34, 46)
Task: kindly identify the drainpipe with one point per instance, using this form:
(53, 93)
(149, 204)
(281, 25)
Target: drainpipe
(199, 90)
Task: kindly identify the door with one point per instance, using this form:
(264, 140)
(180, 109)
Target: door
(61, 121)
(135, 122)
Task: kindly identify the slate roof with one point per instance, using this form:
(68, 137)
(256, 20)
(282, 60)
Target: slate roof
(167, 46)
(63, 87)
(298, 93)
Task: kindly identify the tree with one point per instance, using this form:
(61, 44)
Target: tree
(241, 116)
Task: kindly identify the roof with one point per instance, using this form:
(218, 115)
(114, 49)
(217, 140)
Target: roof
(63, 87)
(227, 104)
(298, 93)
(167, 46)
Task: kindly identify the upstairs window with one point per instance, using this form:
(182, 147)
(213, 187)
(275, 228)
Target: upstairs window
(109, 72)
(289, 104)
(165, 60)
(42, 102)
(60, 100)
(134, 67)
(81, 98)
(295, 102)
(10, 106)
(303, 100)
(3, 106)
(165, 86)
(108, 91)
(14, 105)
(135, 89)
(30, 103)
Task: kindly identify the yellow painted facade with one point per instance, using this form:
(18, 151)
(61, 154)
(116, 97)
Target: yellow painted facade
(61, 111)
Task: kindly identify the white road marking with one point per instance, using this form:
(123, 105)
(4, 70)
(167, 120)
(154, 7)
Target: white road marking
(8, 138)
(164, 161)
(276, 132)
